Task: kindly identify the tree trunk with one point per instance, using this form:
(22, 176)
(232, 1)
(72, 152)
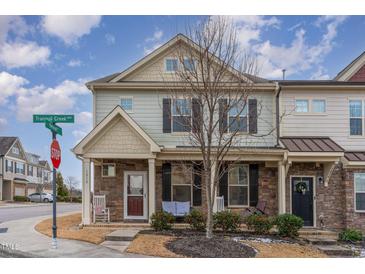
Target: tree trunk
(209, 227)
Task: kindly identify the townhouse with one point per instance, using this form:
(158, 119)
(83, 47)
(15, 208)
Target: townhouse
(302, 153)
(21, 173)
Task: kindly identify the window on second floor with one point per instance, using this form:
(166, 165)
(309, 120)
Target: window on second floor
(356, 117)
(9, 166)
(127, 103)
(189, 64)
(20, 168)
(171, 64)
(301, 105)
(15, 150)
(319, 105)
(39, 172)
(30, 170)
(238, 117)
(181, 115)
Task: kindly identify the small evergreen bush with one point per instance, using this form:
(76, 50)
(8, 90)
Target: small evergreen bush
(162, 220)
(288, 225)
(350, 235)
(260, 224)
(196, 220)
(226, 220)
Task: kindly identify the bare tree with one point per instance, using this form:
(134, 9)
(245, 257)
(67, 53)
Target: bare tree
(72, 185)
(210, 97)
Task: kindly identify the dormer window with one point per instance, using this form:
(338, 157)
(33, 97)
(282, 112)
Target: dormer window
(15, 150)
(189, 64)
(171, 65)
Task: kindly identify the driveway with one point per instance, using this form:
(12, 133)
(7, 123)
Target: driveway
(9, 212)
(22, 236)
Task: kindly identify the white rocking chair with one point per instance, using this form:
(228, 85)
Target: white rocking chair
(100, 211)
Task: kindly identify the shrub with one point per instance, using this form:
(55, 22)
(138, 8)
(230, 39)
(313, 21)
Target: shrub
(196, 220)
(350, 235)
(226, 220)
(260, 224)
(20, 199)
(60, 199)
(288, 225)
(162, 220)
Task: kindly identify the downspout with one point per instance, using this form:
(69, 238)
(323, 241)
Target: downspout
(277, 94)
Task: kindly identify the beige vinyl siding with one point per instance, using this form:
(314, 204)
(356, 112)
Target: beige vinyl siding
(147, 112)
(335, 123)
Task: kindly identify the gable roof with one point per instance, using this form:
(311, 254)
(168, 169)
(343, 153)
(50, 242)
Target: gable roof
(118, 77)
(6, 143)
(45, 164)
(118, 110)
(351, 69)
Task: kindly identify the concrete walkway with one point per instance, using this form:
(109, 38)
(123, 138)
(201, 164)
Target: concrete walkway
(22, 235)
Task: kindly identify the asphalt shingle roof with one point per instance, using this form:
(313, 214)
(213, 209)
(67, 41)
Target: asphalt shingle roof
(5, 144)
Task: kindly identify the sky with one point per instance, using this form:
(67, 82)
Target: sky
(46, 60)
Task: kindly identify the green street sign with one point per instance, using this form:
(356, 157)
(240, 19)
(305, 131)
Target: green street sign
(44, 118)
(54, 128)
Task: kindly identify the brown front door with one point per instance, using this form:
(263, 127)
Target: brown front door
(135, 194)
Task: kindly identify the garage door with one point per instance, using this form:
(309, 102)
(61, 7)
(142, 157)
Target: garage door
(31, 190)
(19, 191)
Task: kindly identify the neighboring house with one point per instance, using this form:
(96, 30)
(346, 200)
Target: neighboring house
(13, 180)
(309, 169)
(21, 173)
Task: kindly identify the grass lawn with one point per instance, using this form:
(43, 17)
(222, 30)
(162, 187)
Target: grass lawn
(68, 228)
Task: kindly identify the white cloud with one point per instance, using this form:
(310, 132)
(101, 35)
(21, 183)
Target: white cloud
(110, 39)
(297, 56)
(74, 63)
(17, 52)
(84, 125)
(70, 28)
(23, 54)
(153, 42)
(40, 99)
(9, 85)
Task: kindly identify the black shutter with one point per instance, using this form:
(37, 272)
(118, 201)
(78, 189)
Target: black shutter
(166, 182)
(166, 115)
(223, 187)
(223, 115)
(252, 115)
(197, 187)
(196, 112)
(254, 184)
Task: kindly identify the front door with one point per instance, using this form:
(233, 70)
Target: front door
(302, 199)
(135, 195)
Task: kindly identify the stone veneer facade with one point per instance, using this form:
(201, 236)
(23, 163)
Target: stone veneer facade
(334, 203)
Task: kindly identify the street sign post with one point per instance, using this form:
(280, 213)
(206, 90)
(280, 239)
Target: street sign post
(54, 128)
(50, 121)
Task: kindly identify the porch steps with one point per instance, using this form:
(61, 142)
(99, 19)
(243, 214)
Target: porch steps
(120, 246)
(122, 235)
(329, 245)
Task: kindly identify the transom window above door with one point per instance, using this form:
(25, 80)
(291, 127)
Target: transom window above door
(238, 186)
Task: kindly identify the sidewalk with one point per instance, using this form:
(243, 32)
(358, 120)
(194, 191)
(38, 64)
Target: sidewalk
(25, 238)
(20, 204)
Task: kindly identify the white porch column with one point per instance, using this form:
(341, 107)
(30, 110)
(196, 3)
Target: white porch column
(151, 187)
(1, 189)
(86, 212)
(281, 187)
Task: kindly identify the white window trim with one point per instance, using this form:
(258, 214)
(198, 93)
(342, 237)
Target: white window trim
(247, 114)
(165, 65)
(11, 166)
(191, 187)
(362, 117)
(16, 167)
(127, 97)
(357, 211)
(188, 58)
(310, 106)
(179, 115)
(107, 176)
(248, 187)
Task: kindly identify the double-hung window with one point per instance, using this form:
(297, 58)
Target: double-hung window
(181, 184)
(30, 170)
(19, 168)
(238, 186)
(108, 170)
(181, 115)
(9, 166)
(356, 117)
(189, 64)
(171, 64)
(127, 103)
(237, 117)
(359, 187)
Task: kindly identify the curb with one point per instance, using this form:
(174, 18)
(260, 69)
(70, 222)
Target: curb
(12, 253)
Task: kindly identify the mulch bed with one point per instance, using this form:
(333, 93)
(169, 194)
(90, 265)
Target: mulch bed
(216, 247)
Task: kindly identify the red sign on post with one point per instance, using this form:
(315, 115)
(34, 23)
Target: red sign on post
(55, 154)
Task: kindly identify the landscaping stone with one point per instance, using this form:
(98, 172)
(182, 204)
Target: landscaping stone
(336, 250)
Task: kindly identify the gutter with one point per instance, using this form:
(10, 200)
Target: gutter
(277, 95)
